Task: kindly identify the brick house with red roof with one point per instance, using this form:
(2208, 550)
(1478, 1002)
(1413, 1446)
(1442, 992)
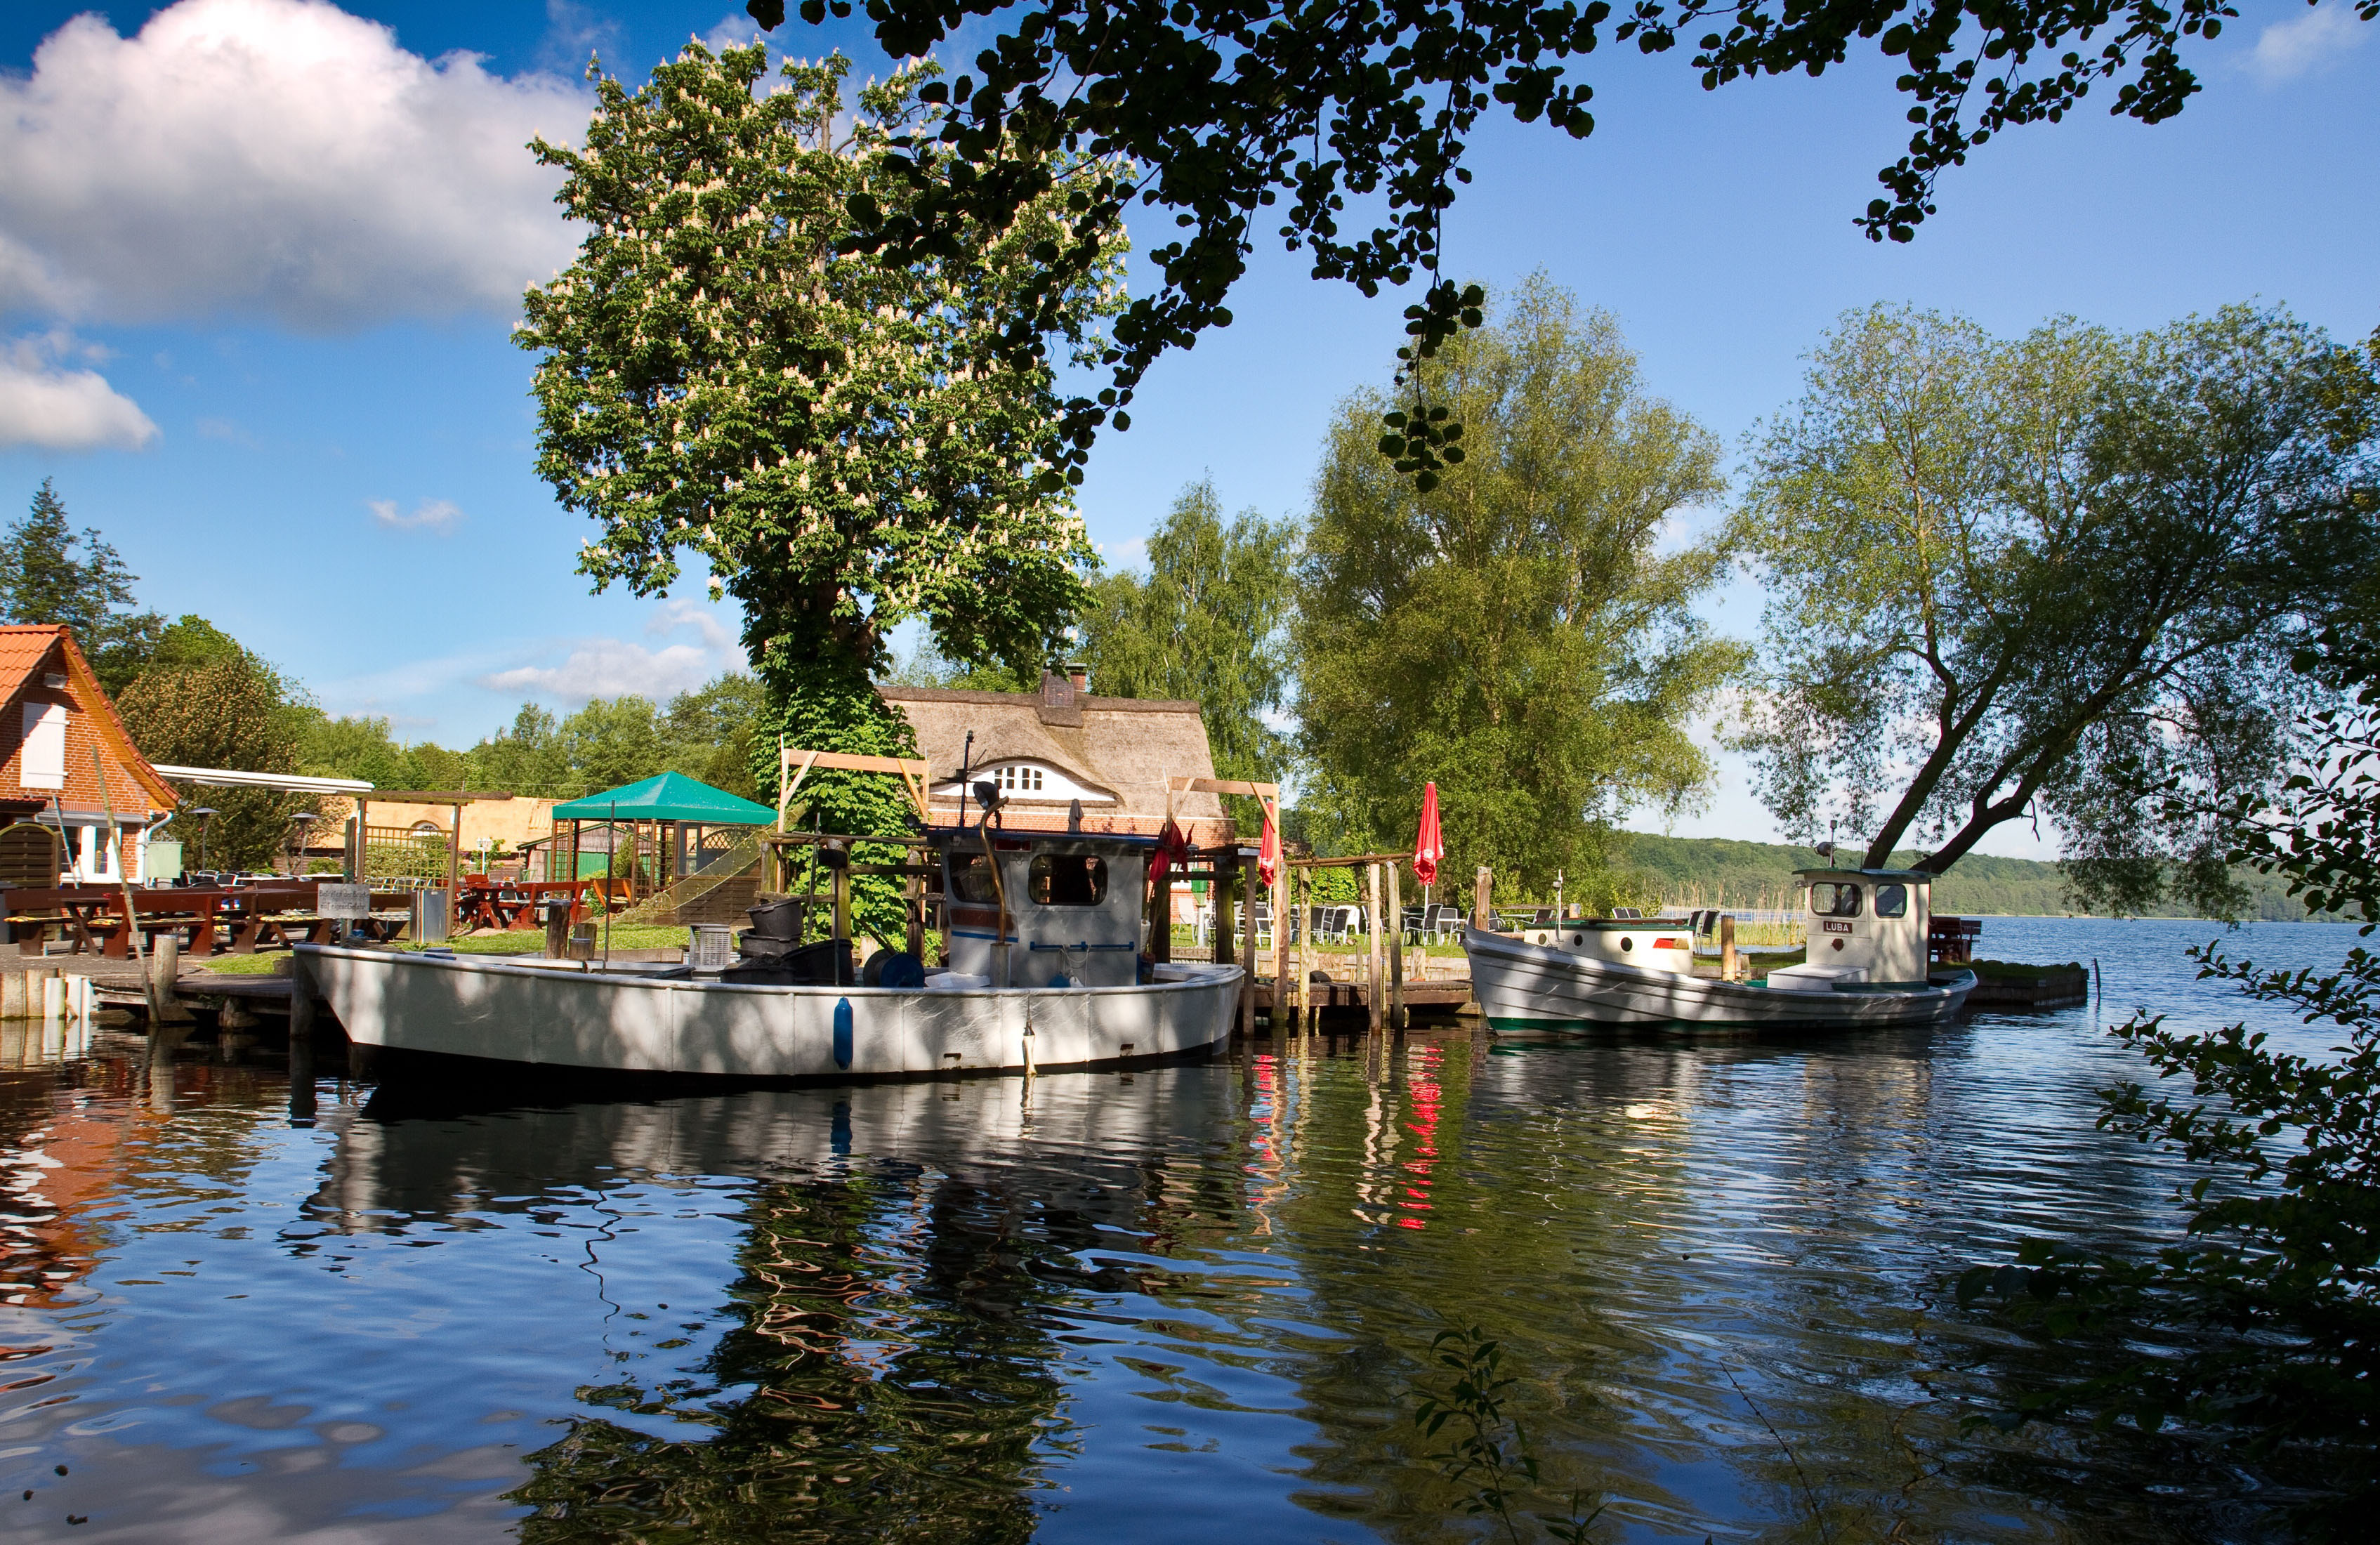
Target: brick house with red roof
(55, 717)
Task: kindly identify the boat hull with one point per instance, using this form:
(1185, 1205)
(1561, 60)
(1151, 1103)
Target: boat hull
(557, 1014)
(1518, 985)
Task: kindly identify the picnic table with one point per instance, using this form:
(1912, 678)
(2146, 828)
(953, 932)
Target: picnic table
(513, 906)
(239, 919)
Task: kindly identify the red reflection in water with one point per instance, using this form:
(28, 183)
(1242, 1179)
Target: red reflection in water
(1423, 1091)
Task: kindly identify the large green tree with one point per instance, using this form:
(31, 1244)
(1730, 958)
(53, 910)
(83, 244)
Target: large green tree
(1206, 622)
(48, 573)
(2059, 575)
(1521, 634)
(1232, 115)
(229, 710)
(845, 441)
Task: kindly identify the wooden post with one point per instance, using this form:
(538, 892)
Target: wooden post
(1161, 916)
(1280, 918)
(1248, 947)
(1218, 894)
(165, 968)
(912, 898)
(1396, 948)
(1376, 1001)
(301, 1041)
(1300, 893)
(1727, 963)
(454, 870)
(1483, 915)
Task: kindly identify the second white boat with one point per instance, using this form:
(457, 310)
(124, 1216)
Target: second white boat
(1867, 966)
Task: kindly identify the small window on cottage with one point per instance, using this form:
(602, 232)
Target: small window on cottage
(971, 878)
(1891, 901)
(1828, 899)
(1067, 879)
(1019, 780)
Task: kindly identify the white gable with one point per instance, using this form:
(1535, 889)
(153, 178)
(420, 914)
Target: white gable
(1027, 782)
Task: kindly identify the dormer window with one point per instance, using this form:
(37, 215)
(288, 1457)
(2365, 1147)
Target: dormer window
(1016, 779)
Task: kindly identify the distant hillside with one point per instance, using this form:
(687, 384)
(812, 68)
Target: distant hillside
(1716, 870)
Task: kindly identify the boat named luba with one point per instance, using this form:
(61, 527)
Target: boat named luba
(1867, 966)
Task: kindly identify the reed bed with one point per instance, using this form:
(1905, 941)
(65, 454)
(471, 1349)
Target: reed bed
(1766, 916)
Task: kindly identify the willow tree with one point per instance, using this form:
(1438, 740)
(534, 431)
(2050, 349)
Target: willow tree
(1522, 634)
(845, 441)
(2060, 575)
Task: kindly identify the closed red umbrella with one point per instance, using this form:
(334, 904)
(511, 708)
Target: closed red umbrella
(1268, 851)
(1430, 846)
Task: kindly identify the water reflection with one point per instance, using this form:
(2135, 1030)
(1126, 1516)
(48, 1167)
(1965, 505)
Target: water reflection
(907, 1273)
(1176, 1305)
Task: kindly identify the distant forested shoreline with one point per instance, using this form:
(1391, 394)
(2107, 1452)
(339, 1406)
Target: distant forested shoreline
(1720, 872)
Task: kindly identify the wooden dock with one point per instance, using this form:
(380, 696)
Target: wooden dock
(1439, 996)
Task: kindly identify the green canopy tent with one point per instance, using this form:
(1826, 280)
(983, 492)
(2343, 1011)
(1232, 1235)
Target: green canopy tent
(679, 811)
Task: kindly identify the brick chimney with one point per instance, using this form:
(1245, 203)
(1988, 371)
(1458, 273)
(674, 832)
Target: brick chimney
(1080, 674)
(1057, 705)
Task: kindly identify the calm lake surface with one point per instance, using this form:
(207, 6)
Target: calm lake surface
(1193, 1304)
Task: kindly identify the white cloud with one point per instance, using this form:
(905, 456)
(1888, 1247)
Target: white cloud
(432, 515)
(275, 158)
(608, 667)
(2311, 40)
(735, 30)
(674, 615)
(51, 406)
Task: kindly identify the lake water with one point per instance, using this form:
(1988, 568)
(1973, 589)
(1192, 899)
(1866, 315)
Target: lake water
(1194, 1304)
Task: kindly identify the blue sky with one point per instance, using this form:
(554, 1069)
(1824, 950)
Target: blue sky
(257, 264)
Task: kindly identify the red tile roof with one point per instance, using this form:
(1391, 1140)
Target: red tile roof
(134, 789)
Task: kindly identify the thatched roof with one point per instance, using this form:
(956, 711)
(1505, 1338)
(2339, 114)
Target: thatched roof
(1125, 747)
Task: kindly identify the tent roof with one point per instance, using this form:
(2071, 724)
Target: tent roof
(667, 796)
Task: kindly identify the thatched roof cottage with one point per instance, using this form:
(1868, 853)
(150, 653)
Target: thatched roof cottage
(1064, 759)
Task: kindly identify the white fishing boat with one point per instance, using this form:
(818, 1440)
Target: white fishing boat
(1045, 973)
(1867, 966)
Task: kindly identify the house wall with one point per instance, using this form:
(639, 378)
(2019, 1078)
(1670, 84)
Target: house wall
(86, 789)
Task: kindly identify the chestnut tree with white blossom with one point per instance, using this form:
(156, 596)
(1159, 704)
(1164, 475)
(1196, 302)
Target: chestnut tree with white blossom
(846, 441)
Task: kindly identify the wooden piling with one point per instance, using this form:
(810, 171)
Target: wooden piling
(301, 1041)
(1218, 893)
(1280, 916)
(1304, 948)
(1727, 961)
(1483, 885)
(1396, 921)
(1376, 1006)
(1248, 948)
(164, 967)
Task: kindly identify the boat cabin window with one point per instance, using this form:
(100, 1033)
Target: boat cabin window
(1067, 879)
(971, 878)
(1891, 901)
(1828, 899)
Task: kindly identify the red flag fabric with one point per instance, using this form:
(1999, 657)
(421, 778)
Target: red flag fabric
(1268, 852)
(1172, 849)
(1430, 846)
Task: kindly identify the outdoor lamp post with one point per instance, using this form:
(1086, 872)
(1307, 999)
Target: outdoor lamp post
(206, 816)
